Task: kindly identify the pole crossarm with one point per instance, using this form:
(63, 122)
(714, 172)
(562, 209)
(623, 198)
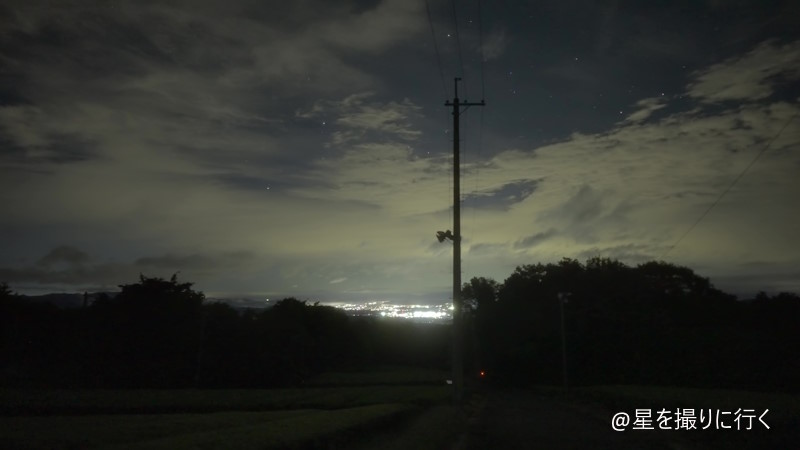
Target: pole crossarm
(464, 103)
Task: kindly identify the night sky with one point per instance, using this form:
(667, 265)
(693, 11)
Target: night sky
(303, 148)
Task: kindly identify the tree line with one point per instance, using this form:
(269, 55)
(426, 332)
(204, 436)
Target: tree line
(163, 334)
(655, 323)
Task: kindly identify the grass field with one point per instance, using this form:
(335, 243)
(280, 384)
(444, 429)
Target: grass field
(783, 417)
(784, 408)
(313, 417)
(101, 401)
(241, 430)
(358, 410)
(382, 375)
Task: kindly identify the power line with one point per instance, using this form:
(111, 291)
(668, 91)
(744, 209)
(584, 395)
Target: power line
(480, 43)
(480, 150)
(480, 125)
(436, 48)
(736, 180)
(477, 163)
(444, 85)
(458, 44)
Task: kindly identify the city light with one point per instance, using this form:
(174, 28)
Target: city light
(418, 313)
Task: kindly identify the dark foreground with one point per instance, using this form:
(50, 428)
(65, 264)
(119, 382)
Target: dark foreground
(524, 420)
(531, 419)
(380, 416)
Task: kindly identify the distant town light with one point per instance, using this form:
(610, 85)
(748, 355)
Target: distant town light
(416, 312)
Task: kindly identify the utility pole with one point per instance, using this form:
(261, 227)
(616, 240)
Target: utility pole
(458, 320)
(562, 298)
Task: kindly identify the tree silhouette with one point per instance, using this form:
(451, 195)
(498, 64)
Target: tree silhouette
(5, 291)
(149, 333)
(656, 323)
(480, 292)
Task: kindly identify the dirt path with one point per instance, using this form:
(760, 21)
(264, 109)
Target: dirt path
(526, 420)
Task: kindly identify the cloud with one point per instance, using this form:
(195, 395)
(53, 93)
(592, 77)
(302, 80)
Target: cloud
(153, 131)
(487, 249)
(628, 192)
(631, 191)
(387, 176)
(645, 108)
(181, 88)
(99, 277)
(63, 254)
(196, 262)
(338, 280)
(494, 44)
(752, 76)
(630, 253)
(747, 281)
(377, 28)
(68, 266)
(503, 197)
(391, 118)
(535, 239)
(585, 206)
(360, 119)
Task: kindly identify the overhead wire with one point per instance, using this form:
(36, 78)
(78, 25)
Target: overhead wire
(461, 67)
(445, 93)
(474, 195)
(477, 159)
(483, 90)
(477, 172)
(483, 57)
(480, 120)
(436, 49)
(730, 186)
(458, 45)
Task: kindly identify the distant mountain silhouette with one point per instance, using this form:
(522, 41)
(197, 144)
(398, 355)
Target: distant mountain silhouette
(66, 300)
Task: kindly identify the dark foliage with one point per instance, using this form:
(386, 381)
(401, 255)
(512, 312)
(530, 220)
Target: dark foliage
(161, 334)
(655, 323)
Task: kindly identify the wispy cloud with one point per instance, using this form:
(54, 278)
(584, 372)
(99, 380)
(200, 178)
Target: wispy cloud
(753, 76)
(360, 118)
(534, 239)
(63, 254)
(494, 44)
(65, 265)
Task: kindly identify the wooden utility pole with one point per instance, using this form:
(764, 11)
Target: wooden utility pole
(562, 298)
(458, 320)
